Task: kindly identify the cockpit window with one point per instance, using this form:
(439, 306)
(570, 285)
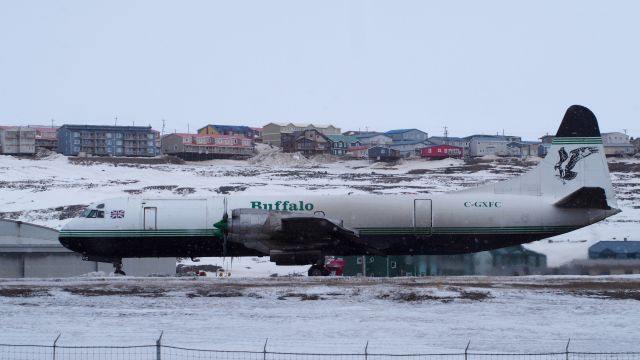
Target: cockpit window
(92, 213)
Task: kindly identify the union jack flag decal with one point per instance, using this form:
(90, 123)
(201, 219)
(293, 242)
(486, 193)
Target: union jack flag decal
(117, 214)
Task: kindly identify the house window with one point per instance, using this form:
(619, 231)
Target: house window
(359, 260)
(392, 264)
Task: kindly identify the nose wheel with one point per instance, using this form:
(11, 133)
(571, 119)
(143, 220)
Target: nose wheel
(117, 268)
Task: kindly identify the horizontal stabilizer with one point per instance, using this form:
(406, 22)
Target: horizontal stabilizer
(585, 198)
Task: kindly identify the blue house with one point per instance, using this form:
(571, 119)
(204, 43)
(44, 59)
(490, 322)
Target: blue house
(615, 250)
(340, 144)
(382, 153)
(407, 135)
(106, 140)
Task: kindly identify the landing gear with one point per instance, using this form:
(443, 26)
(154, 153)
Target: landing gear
(318, 270)
(118, 268)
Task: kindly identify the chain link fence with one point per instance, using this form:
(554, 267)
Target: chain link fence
(167, 352)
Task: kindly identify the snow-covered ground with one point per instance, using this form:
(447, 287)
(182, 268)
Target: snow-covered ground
(403, 315)
(331, 315)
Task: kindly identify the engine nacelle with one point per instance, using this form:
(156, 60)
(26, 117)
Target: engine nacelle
(258, 229)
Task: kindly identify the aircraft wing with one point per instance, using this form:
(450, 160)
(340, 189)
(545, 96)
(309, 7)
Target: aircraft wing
(268, 231)
(321, 230)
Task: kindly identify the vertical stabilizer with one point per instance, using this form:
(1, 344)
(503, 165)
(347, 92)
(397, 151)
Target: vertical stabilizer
(575, 160)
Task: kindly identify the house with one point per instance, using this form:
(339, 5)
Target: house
(272, 132)
(383, 153)
(453, 141)
(523, 148)
(441, 151)
(607, 258)
(515, 260)
(248, 132)
(409, 148)
(617, 144)
(547, 139)
(19, 140)
(307, 142)
(46, 138)
(206, 147)
(481, 145)
(636, 144)
(407, 135)
(373, 139)
(340, 144)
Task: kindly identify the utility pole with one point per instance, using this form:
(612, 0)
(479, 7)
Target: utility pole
(116, 121)
(625, 131)
(188, 129)
(162, 133)
(446, 135)
(52, 123)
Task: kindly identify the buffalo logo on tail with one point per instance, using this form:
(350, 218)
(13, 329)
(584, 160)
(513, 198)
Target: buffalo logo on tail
(565, 165)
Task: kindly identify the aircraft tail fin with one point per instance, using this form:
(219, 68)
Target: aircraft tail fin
(574, 168)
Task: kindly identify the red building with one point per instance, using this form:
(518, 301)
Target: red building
(441, 152)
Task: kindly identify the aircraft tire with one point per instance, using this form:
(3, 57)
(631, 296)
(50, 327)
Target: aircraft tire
(317, 270)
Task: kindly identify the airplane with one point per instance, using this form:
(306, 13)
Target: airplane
(569, 189)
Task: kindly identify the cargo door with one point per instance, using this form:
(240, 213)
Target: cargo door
(422, 216)
(150, 218)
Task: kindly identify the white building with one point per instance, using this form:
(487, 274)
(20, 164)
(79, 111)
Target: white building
(18, 140)
(482, 145)
(617, 144)
(374, 139)
(28, 250)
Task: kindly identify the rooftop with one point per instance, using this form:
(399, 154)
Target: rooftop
(616, 246)
(400, 131)
(343, 138)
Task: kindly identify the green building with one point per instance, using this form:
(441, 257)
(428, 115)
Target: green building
(515, 260)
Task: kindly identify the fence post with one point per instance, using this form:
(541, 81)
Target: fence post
(264, 350)
(159, 346)
(366, 348)
(466, 350)
(566, 350)
(54, 346)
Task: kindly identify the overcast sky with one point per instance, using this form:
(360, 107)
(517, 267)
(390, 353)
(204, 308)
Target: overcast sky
(474, 66)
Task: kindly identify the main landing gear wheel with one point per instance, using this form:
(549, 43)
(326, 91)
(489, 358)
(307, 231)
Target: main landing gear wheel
(318, 270)
(118, 269)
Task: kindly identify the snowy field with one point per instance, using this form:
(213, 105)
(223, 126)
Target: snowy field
(335, 315)
(401, 315)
